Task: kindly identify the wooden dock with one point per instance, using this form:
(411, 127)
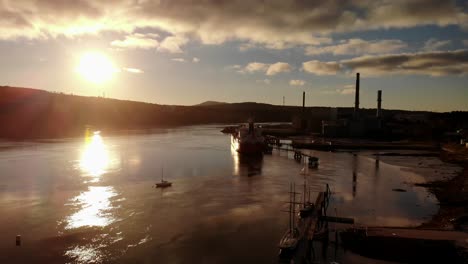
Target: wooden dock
(412, 244)
(299, 155)
(310, 226)
(334, 145)
(349, 144)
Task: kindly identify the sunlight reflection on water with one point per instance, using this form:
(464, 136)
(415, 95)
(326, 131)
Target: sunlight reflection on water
(84, 254)
(95, 157)
(95, 208)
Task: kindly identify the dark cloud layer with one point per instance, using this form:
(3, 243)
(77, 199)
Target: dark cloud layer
(274, 23)
(427, 63)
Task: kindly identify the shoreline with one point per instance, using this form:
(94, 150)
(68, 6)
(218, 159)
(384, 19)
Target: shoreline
(451, 193)
(446, 231)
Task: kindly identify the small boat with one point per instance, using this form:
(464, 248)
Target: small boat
(306, 210)
(307, 206)
(163, 183)
(313, 162)
(290, 239)
(288, 243)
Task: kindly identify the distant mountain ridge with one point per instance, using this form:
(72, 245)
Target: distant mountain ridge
(209, 103)
(30, 113)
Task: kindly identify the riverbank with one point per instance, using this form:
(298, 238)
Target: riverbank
(444, 237)
(444, 171)
(452, 193)
(361, 144)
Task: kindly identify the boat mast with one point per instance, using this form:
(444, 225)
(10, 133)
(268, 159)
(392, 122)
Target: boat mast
(293, 205)
(290, 207)
(304, 194)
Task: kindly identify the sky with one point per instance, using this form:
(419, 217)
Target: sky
(185, 52)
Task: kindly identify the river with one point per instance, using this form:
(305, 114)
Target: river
(92, 199)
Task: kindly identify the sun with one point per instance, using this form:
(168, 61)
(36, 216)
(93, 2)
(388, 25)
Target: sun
(95, 67)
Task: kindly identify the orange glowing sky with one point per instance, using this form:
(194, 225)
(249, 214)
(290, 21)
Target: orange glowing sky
(187, 52)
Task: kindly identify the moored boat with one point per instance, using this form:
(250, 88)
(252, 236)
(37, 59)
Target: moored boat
(313, 162)
(249, 140)
(307, 206)
(290, 239)
(163, 183)
(288, 242)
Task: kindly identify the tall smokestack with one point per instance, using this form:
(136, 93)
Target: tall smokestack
(356, 99)
(303, 101)
(379, 103)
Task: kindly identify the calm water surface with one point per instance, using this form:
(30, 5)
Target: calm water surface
(91, 200)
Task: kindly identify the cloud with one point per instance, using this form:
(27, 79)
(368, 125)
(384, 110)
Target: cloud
(434, 44)
(268, 69)
(195, 60)
(236, 67)
(358, 47)
(173, 44)
(425, 63)
(297, 82)
(435, 63)
(137, 41)
(278, 67)
(133, 70)
(256, 67)
(276, 24)
(404, 14)
(264, 81)
(347, 89)
(246, 46)
(178, 59)
(321, 68)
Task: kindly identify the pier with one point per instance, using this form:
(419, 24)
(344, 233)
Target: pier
(356, 145)
(299, 156)
(324, 144)
(412, 244)
(314, 227)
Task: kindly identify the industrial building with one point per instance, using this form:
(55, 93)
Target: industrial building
(358, 124)
(340, 122)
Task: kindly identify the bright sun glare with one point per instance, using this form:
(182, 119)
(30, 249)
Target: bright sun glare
(95, 67)
(95, 158)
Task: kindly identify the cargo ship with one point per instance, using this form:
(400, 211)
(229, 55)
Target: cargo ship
(249, 140)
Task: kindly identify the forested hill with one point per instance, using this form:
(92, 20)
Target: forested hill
(30, 113)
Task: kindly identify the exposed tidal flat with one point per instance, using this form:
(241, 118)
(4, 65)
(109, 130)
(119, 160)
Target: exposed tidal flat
(91, 200)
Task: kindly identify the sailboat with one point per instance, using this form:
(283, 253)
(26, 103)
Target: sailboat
(290, 239)
(163, 183)
(307, 206)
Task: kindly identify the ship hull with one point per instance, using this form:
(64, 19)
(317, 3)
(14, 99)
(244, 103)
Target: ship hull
(249, 148)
